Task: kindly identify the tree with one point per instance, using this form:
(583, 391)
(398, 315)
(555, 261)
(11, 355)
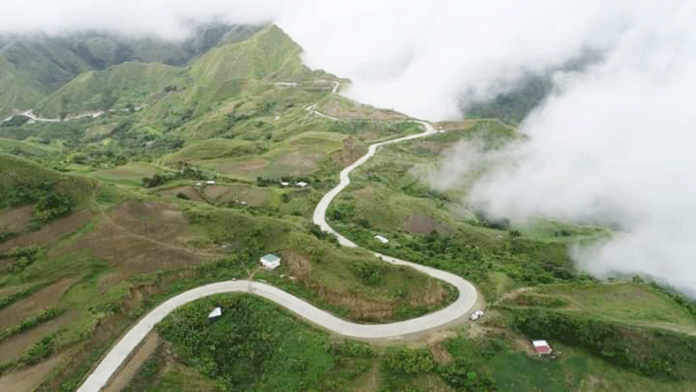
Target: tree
(52, 207)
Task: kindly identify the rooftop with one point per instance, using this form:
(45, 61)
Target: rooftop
(270, 258)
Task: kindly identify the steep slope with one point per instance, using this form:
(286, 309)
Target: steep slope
(41, 64)
(124, 84)
(17, 90)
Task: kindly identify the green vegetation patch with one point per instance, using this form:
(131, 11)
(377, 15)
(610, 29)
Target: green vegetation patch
(629, 302)
(131, 173)
(652, 352)
(255, 345)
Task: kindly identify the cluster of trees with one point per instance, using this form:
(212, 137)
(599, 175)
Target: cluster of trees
(369, 272)
(26, 191)
(651, 352)
(189, 173)
(316, 231)
(53, 206)
(461, 374)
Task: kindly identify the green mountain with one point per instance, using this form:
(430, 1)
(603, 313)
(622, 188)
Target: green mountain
(33, 66)
(121, 86)
(221, 73)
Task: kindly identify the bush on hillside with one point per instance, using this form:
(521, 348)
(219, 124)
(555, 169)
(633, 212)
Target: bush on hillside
(52, 207)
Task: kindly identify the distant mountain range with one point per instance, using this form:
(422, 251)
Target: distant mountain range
(33, 67)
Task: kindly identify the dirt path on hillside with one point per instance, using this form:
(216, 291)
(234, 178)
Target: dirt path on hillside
(27, 380)
(15, 346)
(42, 299)
(123, 378)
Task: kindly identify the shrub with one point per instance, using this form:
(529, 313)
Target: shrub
(407, 361)
(52, 207)
(367, 271)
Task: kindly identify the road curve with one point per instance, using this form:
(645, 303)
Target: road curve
(111, 363)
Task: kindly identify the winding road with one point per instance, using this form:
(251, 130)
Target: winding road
(468, 295)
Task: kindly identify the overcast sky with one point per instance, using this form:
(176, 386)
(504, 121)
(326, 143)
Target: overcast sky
(613, 145)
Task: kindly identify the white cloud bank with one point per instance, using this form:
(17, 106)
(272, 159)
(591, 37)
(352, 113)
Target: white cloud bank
(615, 144)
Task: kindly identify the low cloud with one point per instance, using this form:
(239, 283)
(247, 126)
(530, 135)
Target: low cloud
(615, 146)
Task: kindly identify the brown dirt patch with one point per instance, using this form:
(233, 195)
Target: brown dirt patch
(454, 125)
(418, 223)
(365, 194)
(132, 366)
(371, 380)
(42, 299)
(378, 311)
(52, 231)
(30, 378)
(109, 280)
(248, 168)
(360, 308)
(13, 289)
(298, 163)
(15, 346)
(352, 150)
(187, 190)
(298, 266)
(440, 354)
(15, 220)
(142, 237)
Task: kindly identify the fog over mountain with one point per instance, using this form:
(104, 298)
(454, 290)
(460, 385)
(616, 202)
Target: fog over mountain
(612, 145)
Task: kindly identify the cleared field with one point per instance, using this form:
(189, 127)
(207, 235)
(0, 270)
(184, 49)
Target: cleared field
(344, 108)
(131, 173)
(632, 303)
(252, 195)
(215, 148)
(299, 155)
(18, 147)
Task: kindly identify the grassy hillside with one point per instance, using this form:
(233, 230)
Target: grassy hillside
(36, 65)
(122, 86)
(18, 88)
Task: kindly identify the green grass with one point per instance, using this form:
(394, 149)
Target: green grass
(214, 148)
(127, 83)
(255, 345)
(518, 372)
(23, 148)
(329, 272)
(631, 303)
(299, 155)
(131, 173)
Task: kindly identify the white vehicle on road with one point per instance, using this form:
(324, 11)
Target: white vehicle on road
(476, 315)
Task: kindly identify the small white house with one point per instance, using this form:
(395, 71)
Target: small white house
(211, 182)
(199, 184)
(284, 183)
(381, 239)
(270, 261)
(301, 184)
(215, 314)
